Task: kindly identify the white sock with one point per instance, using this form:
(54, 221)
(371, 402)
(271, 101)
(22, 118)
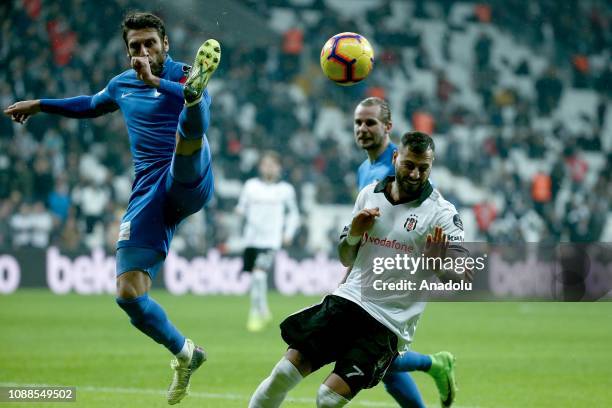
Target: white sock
(262, 281)
(258, 291)
(272, 391)
(185, 353)
(328, 398)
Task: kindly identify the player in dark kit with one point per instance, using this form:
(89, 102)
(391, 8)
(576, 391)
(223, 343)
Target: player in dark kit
(165, 106)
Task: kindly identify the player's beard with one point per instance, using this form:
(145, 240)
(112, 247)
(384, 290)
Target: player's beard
(409, 187)
(157, 66)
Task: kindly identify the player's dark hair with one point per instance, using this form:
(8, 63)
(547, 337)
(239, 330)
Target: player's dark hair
(417, 142)
(137, 20)
(385, 111)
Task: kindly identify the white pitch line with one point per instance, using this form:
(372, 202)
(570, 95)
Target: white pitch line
(203, 395)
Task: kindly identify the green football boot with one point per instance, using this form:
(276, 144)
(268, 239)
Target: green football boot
(206, 62)
(442, 371)
(183, 371)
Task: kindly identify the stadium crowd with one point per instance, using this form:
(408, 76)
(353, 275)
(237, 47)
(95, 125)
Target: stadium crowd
(528, 133)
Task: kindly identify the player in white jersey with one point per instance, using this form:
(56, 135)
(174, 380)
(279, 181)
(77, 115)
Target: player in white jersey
(271, 215)
(399, 215)
(372, 128)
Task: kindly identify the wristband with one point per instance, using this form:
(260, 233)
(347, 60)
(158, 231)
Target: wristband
(353, 240)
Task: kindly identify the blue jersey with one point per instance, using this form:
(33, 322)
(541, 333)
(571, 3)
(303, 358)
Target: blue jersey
(151, 116)
(369, 172)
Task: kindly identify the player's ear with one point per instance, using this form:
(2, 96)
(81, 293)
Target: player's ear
(388, 126)
(394, 156)
(166, 44)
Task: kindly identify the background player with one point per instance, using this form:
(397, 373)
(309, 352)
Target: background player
(173, 174)
(326, 333)
(372, 129)
(271, 217)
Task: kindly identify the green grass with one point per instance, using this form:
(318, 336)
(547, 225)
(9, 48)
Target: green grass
(508, 354)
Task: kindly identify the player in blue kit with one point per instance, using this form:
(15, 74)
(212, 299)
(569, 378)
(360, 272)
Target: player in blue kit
(372, 127)
(165, 106)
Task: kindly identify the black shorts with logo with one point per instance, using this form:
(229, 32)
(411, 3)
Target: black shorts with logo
(338, 330)
(259, 258)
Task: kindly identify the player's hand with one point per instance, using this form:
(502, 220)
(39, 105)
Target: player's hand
(436, 244)
(20, 112)
(143, 70)
(363, 221)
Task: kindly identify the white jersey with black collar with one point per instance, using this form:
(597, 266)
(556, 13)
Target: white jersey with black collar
(401, 229)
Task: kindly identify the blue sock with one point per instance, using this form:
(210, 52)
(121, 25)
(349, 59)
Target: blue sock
(403, 389)
(411, 361)
(149, 317)
(194, 120)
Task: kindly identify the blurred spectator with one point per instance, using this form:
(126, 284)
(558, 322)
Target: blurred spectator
(59, 200)
(482, 50)
(31, 226)
(70, 236)
(444, 87)
(41, 223)
(541, 190)
(485, 215)
(549, 90)
(92, 201)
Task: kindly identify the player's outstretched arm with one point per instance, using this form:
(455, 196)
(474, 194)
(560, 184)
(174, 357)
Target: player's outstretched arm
(349, 243)
(21, 111)
(79, 107)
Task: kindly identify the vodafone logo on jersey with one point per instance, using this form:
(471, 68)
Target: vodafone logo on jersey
(387, 243)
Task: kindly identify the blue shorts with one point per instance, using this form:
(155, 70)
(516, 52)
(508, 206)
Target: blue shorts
(146, 260)
(155, 211)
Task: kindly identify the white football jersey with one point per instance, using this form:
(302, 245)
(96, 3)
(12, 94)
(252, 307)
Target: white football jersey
(270, 212)
(401, 229)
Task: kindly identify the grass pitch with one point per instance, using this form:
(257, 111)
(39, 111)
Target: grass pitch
(508, 354)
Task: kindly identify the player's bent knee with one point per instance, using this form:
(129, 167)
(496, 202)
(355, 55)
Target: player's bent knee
(284, 375)
(303, 365)
(187, 147)
(328, 398)
(133, 284)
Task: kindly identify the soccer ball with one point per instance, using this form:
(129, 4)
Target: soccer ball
(347, 58)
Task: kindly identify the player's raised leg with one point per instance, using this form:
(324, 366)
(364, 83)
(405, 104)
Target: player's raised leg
(191, 183)
(195, 116)
(135, 269)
